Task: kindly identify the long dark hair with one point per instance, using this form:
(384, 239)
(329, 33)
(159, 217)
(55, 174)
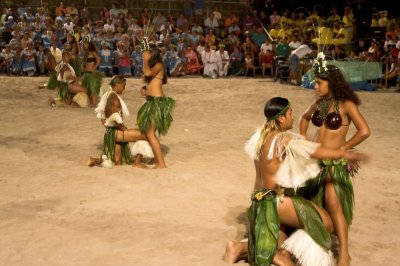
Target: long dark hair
(155, 58)
(338, 86)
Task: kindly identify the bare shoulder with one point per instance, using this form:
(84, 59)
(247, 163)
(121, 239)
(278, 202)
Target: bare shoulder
(113, 100)
(349, 106)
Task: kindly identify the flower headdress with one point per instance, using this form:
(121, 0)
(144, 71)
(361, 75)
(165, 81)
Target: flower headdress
(319, 65)
(145, 45)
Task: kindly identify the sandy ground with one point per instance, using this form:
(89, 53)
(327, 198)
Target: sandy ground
(55, 210)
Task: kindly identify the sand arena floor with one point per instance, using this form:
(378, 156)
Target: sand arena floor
(55, 210)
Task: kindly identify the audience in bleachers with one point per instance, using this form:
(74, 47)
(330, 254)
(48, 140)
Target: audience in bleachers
(194, 42)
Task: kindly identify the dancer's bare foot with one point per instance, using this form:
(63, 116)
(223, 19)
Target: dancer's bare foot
(159, 166)
(234, 251)
(282, 258)
(93, 162)
(52, 102)
(140, 165)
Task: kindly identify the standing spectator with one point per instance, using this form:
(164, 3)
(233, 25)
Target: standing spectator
(123, 9)
(217, 15)
(274, 18)
(105, 14)
(122, 59)
(299, 53)
(294, 43)
(198, 8)
(348, 21)
(188, 8)
(73, 11)
(137, 61)
(181, 22)
(159, 20)
(85, 14)
(61, 11)
(106, 59)
(114, 11)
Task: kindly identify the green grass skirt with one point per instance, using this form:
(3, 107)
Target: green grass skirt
(92, 82)
(109, 147)
(63, 92)
(342, 182)
(52, 82)
(156, 110)
(265, 225)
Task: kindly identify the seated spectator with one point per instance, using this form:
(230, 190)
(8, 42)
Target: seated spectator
(16, 66)
(209, 59)
(338, 53)
(248, 47)
(360, 49)
(267, 62)
(236, 61)
(249, 64)
(29, 60)
(258, 37)
(109, 26)
(267, 45)
(6, 56)
(192, 61)
(282, 48)
(223, 60)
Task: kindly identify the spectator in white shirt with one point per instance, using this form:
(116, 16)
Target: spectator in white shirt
(109, 26)
(297, 54)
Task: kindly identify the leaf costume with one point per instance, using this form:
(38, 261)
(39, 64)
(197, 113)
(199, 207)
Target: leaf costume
(156, 110)
(295, 169)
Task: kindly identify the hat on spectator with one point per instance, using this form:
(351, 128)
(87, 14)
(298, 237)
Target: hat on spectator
(10, 17)
(373, 40)
(104, 42)
(221, 45)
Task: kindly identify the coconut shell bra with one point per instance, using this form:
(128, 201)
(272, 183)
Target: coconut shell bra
(320, 116)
